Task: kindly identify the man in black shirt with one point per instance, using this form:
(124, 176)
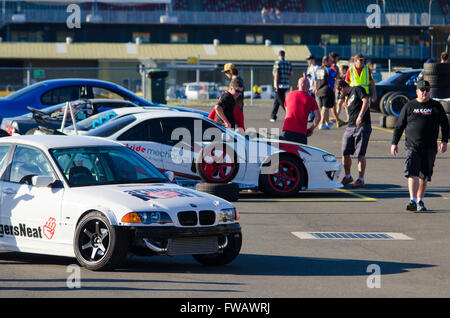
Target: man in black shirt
(420, 118)
(225, 112)
(357, 134)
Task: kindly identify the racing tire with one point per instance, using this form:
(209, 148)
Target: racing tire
(396, 102)
(217, 168)
(286, 180)
(383, 101)
(446, 105)
(226, 256)
(226, 191)
(438, 81)
(441, 93)
(98, 245)
(436, 68)
(391, 121)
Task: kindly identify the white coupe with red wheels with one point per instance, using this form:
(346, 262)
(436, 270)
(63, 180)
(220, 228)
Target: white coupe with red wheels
(196, 148)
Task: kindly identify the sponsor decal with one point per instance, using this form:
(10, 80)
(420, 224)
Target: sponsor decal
(423, 111)
(97, 122)
(161, 193)
(20, 230)
(49, 228)
(293, 149)
(23, 230)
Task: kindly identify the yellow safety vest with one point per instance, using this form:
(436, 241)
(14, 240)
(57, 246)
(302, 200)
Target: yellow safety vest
(362, 79)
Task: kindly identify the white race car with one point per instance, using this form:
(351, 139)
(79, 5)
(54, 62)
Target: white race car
(196, 148)
(97, 200)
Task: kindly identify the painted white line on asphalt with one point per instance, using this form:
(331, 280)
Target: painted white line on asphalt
(351, 236)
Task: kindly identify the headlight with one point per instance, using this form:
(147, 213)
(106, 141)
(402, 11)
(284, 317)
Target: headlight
(329, 157)
(228, 215)
(147, 218)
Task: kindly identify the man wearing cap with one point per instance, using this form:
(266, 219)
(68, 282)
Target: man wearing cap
(420, 118)
(232, 72)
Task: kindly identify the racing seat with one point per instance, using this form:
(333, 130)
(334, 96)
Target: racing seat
(79, 175)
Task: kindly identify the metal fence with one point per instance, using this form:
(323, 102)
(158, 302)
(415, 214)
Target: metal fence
(12, 79)
(223, 18)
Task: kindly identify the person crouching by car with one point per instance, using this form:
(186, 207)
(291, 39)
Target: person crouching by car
(225, 112)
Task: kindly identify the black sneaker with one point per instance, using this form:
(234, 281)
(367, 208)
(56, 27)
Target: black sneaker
(412, 206)
(421, 206)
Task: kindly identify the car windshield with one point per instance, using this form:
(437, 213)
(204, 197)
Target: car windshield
(400, 78)
(111, 127)
(24, 91)
(101, 165)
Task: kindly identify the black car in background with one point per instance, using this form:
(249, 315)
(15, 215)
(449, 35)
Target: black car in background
(400, 85)
(51, 117)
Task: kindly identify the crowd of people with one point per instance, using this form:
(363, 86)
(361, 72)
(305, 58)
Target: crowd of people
(350, 88)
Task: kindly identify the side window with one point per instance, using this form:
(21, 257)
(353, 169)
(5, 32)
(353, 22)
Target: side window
(210, 132)
(149, 130)
(60, 95)
(28, 162)
(177, 129)
(3, 156)
(101, 92)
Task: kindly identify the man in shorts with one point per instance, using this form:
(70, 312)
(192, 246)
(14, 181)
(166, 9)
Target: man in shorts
(420, 118)
(357, 134)
(323, 90)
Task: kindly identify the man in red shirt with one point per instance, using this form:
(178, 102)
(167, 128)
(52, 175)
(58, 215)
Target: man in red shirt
(298, 106)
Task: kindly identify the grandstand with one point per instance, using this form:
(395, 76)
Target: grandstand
(407, 36)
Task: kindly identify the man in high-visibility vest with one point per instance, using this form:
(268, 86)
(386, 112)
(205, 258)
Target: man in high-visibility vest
(361, 75)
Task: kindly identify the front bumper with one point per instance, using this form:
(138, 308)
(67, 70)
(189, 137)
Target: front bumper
(172, 240)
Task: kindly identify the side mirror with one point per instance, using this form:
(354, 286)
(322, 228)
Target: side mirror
(170, 175)
(41, 181)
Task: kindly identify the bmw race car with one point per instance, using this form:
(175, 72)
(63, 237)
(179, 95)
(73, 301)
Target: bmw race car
(97, 200)
(196, 148)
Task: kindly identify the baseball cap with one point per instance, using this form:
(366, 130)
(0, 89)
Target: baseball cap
(423, 84)
(228, 67)
(311, 57)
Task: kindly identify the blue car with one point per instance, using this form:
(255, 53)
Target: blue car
(52, 92)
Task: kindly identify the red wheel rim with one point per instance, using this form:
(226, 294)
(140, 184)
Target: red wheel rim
(217, 165)
(286, 178)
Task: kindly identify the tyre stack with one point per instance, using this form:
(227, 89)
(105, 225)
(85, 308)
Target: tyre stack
(438, 74)
(446, 105)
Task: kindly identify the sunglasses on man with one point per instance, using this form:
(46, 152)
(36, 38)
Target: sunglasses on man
(425, 89)
(239, 90)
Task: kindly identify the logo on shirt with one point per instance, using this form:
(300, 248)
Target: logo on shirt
(423, 111)
(351, 99)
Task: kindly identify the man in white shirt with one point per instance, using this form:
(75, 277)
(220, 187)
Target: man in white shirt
(311, 75)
